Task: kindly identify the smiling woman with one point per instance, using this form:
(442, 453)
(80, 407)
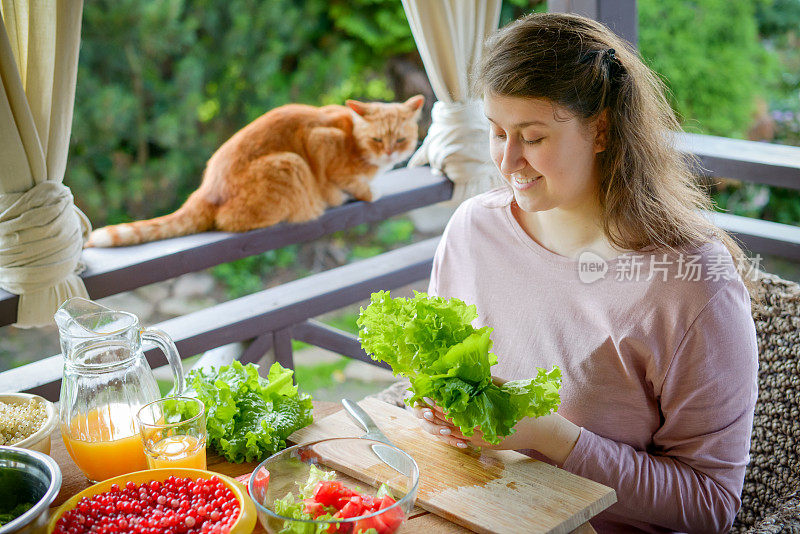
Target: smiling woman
(657, 349)
(548, 158)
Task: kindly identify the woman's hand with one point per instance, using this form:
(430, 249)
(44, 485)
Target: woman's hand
(551, 435)
(433, 420)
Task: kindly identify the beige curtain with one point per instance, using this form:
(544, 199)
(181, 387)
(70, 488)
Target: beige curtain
(449, 35)
(41, 231)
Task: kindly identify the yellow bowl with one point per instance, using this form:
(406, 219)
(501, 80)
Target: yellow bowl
(247, 516)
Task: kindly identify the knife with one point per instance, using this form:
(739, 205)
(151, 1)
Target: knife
(388, 454)
(365, 421)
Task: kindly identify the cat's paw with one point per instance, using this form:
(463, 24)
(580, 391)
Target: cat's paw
(375, 191)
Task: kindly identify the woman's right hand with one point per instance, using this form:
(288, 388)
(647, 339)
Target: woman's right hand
(433, 420)
(552, 435)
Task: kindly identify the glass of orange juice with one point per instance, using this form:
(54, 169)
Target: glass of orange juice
(173, 433)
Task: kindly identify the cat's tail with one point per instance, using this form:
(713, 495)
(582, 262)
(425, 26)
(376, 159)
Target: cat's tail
(196, 215)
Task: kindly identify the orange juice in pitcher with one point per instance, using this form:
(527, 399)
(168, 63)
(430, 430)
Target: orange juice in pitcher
(106, 381)
(104, 443)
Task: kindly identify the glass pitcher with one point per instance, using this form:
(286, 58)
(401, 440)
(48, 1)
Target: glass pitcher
(106, 381)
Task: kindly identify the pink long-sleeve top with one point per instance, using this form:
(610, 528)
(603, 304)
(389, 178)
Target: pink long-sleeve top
(658, 359)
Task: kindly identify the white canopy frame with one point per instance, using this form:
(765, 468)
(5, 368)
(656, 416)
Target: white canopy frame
(41, 231)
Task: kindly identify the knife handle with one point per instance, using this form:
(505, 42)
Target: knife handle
(359, 415)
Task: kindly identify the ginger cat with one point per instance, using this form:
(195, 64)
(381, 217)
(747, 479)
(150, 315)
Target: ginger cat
(290, 164)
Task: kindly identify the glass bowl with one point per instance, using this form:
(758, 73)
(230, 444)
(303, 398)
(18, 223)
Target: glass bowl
(360, 465)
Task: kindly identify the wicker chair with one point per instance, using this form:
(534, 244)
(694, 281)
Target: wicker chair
(771, 494)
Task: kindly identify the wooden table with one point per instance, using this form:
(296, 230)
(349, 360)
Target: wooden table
(73, 482)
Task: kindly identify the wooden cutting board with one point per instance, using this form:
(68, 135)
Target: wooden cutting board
(488, 492)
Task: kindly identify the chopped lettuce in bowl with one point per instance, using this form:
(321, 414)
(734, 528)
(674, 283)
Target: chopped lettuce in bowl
(334, 485)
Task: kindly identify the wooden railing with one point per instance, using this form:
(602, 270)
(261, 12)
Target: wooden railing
(114, 270)
(271, 318)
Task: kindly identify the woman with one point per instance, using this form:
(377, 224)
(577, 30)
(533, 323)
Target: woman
(596, 258)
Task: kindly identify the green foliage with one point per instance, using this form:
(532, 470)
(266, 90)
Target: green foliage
(708, 53)
(345, 321)
(247, 275)
(360, 252)
(761, 202)
(777, 17)
(394, 231)
(324, 375)
(378, 25)
(511, 10)
(372, 239)
(779, 27)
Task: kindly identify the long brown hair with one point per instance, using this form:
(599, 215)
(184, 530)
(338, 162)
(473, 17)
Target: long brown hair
(648, 195)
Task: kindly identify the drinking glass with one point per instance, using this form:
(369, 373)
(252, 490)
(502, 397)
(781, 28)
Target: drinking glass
(173, 433)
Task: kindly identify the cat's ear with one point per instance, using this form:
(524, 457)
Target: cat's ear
(415, 102)
(360, 108)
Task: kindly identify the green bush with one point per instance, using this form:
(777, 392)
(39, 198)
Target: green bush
(709, 54)
(323, 375)
(394, 231)
(247, 275)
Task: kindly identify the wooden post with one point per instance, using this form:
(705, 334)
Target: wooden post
(282, 346)
(619, 15)
(257, 348)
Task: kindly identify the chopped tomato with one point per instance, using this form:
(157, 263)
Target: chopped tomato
(363, 525)
(353, 508)
(350, 504)
(262, 479)
(341, 528)
(244, 479)
(370, 503)
(385, 502)
(393, 518)
(332, 493)
(314, 508)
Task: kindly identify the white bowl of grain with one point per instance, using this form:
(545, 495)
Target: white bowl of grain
(26, 421)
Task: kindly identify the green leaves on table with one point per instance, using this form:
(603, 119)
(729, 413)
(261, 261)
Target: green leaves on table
(249, 417)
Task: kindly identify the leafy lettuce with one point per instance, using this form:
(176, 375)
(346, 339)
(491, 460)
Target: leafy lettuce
(249, 417)
(289, 506)
(431, 341)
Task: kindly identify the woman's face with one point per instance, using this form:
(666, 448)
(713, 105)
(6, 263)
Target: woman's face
(545, 153)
